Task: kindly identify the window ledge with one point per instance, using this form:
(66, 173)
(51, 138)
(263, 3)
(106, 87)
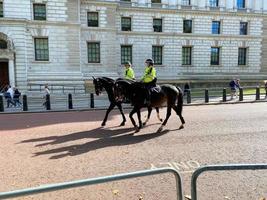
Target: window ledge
(187, 65)
(159, 65)
(40, 61)
(215, 65)
(94, 63)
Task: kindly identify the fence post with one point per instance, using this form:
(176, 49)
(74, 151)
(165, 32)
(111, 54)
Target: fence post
(206, 96)
(188, 96)
(2, 109)
(258, 93)
(25, 102)
(92, 103)
(48, 103)
(70, 101)
(224, 94)
(241, 94)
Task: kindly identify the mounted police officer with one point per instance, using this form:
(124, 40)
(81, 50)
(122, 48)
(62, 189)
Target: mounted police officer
(149, 79)
(129, 72)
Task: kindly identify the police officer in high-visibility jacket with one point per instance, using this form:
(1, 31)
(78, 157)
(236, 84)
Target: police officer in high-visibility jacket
(149, 79)
(129, 72)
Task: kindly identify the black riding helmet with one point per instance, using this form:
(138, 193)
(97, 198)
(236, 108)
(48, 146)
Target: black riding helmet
(150, 61)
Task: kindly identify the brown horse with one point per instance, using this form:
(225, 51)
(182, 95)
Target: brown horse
(163, 95)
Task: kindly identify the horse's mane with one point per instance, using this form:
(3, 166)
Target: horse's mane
(110, 80)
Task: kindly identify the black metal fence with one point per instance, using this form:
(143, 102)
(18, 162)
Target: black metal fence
(192, 96)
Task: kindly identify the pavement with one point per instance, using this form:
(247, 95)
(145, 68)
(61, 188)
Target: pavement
(44, 148)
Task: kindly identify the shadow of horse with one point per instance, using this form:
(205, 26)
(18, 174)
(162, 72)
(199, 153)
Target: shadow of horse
(104, 138)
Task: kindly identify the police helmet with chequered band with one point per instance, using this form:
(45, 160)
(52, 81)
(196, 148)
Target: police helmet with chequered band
(150, 61)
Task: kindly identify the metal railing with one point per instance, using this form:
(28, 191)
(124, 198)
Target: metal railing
(53, 87)
(229, 167)
(93, 181)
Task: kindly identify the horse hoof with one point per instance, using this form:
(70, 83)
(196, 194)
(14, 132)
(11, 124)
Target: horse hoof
(122, 124)
(136, 129)
(160, 129)
(144, 123)
(161, 120)
(103, 124)
(181, 127)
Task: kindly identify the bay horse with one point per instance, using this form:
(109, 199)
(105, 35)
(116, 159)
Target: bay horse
(107, 84)
(160, 96)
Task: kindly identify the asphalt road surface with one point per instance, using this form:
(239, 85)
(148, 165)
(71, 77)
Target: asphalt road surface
(44, 148)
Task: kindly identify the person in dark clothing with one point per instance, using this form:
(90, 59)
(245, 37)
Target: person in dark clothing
(234, 85)
(16, 97)
(186, 88)
(265, 86)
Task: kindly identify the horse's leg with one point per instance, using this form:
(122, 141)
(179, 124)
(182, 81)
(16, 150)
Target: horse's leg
(149, 109)
(180, 116)
(111, 106)
(123, 116)
(168, 114)
(139, 118)
(132, 119)
(157, 109)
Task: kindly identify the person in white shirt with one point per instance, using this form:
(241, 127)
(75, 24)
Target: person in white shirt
(10, 91)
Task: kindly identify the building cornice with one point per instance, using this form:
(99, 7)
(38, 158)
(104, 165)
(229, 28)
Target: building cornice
(190, 36)
(192, 11)
(101, 3)
(15, 21)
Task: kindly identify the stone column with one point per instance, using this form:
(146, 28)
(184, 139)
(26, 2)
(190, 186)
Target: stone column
(11, 71)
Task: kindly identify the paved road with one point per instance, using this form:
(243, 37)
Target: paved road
(44, 148)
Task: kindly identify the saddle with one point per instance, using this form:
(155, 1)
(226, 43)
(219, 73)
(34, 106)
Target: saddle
(155, 89)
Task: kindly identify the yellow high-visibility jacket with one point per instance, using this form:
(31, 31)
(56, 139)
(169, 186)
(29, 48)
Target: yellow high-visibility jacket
(150, 74)
(129, 74)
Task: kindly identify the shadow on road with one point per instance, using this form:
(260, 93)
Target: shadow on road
(30, 120)
(105, 138)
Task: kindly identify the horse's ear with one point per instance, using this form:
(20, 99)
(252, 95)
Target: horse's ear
(93, 78)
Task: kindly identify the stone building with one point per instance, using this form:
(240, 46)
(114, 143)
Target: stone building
(65, 42)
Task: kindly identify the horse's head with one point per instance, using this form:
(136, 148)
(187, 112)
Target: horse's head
(98, 85)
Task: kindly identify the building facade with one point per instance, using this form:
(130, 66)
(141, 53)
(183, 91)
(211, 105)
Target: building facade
(64, 42)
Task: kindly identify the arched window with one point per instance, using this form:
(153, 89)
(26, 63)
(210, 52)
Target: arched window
(3, 44)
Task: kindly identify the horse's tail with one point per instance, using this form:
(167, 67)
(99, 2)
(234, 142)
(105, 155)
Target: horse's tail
(180, 101)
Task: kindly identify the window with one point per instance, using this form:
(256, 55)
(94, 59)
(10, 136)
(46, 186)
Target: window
(1, 10)
(93, 49)
(243, 28)
(187, 26)
(242, 56)
(155, 1)
(241, 4)
(157, 54)
(3, 44)
(126, 24)
(186, 55)
(92, 18)
(126, 54)
(157, 25)
(215, 56)
(41, 49)
(186, 2)
(39, 11)
(216, 27)
(214, 3)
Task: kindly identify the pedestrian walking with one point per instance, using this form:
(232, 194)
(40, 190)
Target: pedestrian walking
(46, 92)
(16, 97)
